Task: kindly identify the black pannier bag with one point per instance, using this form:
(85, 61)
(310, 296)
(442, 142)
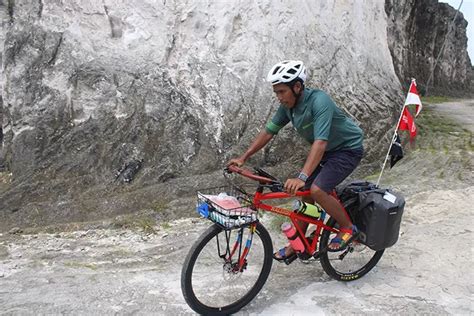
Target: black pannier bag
(376, 212)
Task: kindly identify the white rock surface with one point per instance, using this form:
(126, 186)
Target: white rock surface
(90, 86)
(213, 53)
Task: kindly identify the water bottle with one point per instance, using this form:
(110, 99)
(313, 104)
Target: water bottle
(309, 209)
(293, 237)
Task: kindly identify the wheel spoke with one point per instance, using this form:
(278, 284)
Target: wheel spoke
(213, 281)
(349, 264)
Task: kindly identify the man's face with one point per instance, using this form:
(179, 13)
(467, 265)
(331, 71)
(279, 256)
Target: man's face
(285, 95)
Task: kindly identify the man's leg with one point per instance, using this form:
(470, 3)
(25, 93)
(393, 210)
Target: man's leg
(338, 166)
(331, 206)
(303, 225)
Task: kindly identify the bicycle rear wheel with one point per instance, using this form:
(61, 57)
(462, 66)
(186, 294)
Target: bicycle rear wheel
(211, 280)
(350, 264)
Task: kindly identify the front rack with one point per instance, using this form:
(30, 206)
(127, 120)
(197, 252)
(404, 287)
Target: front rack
(227, 206)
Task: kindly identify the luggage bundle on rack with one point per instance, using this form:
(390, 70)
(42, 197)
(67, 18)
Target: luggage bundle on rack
(226, 206)
(376, 212)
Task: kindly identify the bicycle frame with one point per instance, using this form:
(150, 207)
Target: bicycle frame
(245, 247)
(295, 217)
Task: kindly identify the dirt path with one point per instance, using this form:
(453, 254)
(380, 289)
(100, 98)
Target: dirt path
(103, 271)
(462, 111)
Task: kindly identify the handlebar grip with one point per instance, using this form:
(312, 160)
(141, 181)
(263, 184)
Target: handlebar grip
(248, 174)
(232, 168)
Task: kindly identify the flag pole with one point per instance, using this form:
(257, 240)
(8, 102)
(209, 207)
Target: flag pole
(394, 137)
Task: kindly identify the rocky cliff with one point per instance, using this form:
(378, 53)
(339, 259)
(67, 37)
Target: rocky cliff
(170, 89)
(418, 31)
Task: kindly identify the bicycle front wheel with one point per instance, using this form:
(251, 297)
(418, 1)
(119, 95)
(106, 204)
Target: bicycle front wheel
(350, 264)
(219, 276)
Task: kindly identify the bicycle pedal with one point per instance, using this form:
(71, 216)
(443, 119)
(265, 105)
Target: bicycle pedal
(317, 255)
(290, 259)
(309, 260)
(304, 256)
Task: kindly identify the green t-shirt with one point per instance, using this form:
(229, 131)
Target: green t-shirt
(317, 117)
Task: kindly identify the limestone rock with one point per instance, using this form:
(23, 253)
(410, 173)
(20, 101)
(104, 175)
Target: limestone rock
(89, 86)
(417, 31)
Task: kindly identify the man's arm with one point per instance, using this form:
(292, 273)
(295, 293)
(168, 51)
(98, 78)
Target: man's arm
(260, 141)
(314, 157)
(312, 161)
(272, 128)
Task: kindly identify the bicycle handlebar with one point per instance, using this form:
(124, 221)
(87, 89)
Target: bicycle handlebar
(273, 184)
(249, 174)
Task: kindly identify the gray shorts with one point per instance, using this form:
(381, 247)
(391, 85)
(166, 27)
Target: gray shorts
(335, 166)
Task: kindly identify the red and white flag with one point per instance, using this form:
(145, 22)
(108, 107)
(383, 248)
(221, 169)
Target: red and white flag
(413, 97)
(407, 123)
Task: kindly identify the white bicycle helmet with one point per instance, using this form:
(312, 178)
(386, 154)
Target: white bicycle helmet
(286, 71)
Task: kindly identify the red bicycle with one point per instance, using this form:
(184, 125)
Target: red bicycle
(230, 262)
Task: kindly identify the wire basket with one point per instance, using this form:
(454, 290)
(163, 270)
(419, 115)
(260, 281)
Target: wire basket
(227, 206)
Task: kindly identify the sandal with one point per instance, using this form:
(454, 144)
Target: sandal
(283, 257)
(348, 235)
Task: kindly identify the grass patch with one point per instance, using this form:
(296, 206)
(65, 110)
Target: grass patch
(374, 177)
(439, 133)
(159, 206)
(147, 225)
(441, 152)
(144, 223)
(166, 225)
(433, 99)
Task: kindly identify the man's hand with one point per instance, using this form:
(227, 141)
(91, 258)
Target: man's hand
(239, 162)
(293, 185)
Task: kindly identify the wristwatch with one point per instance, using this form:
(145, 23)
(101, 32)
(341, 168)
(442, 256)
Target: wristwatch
(302, 176)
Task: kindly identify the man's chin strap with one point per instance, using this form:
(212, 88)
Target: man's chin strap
(297, 95)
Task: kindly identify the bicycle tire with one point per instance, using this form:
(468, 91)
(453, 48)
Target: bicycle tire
(359, 259)
(189, 289)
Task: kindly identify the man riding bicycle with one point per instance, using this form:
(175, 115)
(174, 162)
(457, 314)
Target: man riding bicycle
(336, 145)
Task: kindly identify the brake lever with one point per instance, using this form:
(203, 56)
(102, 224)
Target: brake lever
(263, 173)
(277, 187)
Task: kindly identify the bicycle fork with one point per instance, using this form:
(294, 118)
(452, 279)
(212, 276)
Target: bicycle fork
(239, 250)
